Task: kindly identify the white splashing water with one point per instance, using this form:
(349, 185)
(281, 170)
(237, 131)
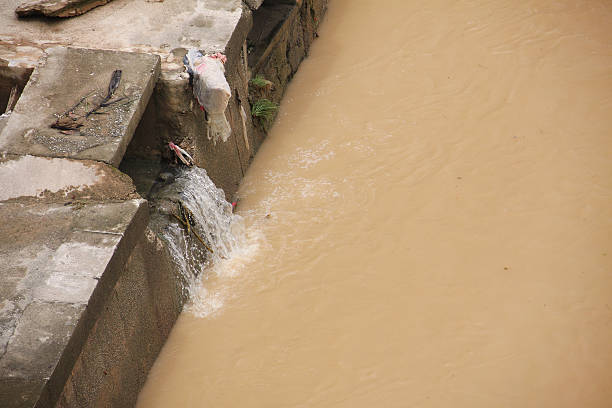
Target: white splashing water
(223, 232)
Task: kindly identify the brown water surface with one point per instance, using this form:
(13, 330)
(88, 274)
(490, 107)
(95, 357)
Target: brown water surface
(428, 224)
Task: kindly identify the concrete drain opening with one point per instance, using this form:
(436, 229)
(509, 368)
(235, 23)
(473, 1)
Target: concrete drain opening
(142, 160)
(148, 160)
(12, 82)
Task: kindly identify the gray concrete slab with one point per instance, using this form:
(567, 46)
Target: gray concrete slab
(54, 257)
(61, 228)
(60, 82)
(131, 25)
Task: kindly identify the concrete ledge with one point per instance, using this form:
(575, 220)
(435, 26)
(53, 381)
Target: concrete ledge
(60, 268)
(70, 231)
(59, 82)
(128, 334)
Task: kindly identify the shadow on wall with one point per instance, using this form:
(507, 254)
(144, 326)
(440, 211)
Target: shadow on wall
(12, 82)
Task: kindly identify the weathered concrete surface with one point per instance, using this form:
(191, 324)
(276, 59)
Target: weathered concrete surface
(58, 248)
(129, 333)
(254, 4)
(58, 83)
(173, 115)
(55, 269)
(88, 294)
(57, 8)
(44, 175)
(129, 25)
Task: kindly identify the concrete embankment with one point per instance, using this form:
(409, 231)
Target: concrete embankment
(88, 290)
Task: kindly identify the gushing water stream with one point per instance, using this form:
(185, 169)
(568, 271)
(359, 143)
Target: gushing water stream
(213, 222)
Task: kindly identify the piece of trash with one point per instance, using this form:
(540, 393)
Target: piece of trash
(186, 218)
(12, 100)
(211, 89)
(245, 135)
(181, 154)
(112, 87)
(114, 83)
(71, 120)
(68, 122)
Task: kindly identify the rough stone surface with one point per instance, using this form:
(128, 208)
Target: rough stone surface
(57, 8)
(282, 40)
(173, 115)
(128, 25)
(67, 75)
(122, 346)
(254, 4)
(57, 261)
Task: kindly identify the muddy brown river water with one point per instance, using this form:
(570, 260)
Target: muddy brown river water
(429, 223)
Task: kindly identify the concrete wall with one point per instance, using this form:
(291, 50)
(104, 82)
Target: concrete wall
(128, 334)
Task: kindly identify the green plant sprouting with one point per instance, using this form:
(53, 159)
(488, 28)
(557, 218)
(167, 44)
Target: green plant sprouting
(260, 82)
(264, 109)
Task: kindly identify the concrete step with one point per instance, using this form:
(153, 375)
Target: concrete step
(60, 82)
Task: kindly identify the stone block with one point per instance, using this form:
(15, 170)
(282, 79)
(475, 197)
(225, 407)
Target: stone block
(57, 8)
(58, 84)
(57, 265)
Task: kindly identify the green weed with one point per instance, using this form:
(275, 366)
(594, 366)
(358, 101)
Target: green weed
(264, 109)
(260, 82)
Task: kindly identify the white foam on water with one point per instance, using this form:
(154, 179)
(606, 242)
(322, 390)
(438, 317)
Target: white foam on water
(209, 294)
(207, 275)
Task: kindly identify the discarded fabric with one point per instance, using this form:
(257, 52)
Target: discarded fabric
(183, 156)
(211, 90)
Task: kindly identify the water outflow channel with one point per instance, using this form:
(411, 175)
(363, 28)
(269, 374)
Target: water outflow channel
(428, 224)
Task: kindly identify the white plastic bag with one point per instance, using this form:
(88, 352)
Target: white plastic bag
(211, 90)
